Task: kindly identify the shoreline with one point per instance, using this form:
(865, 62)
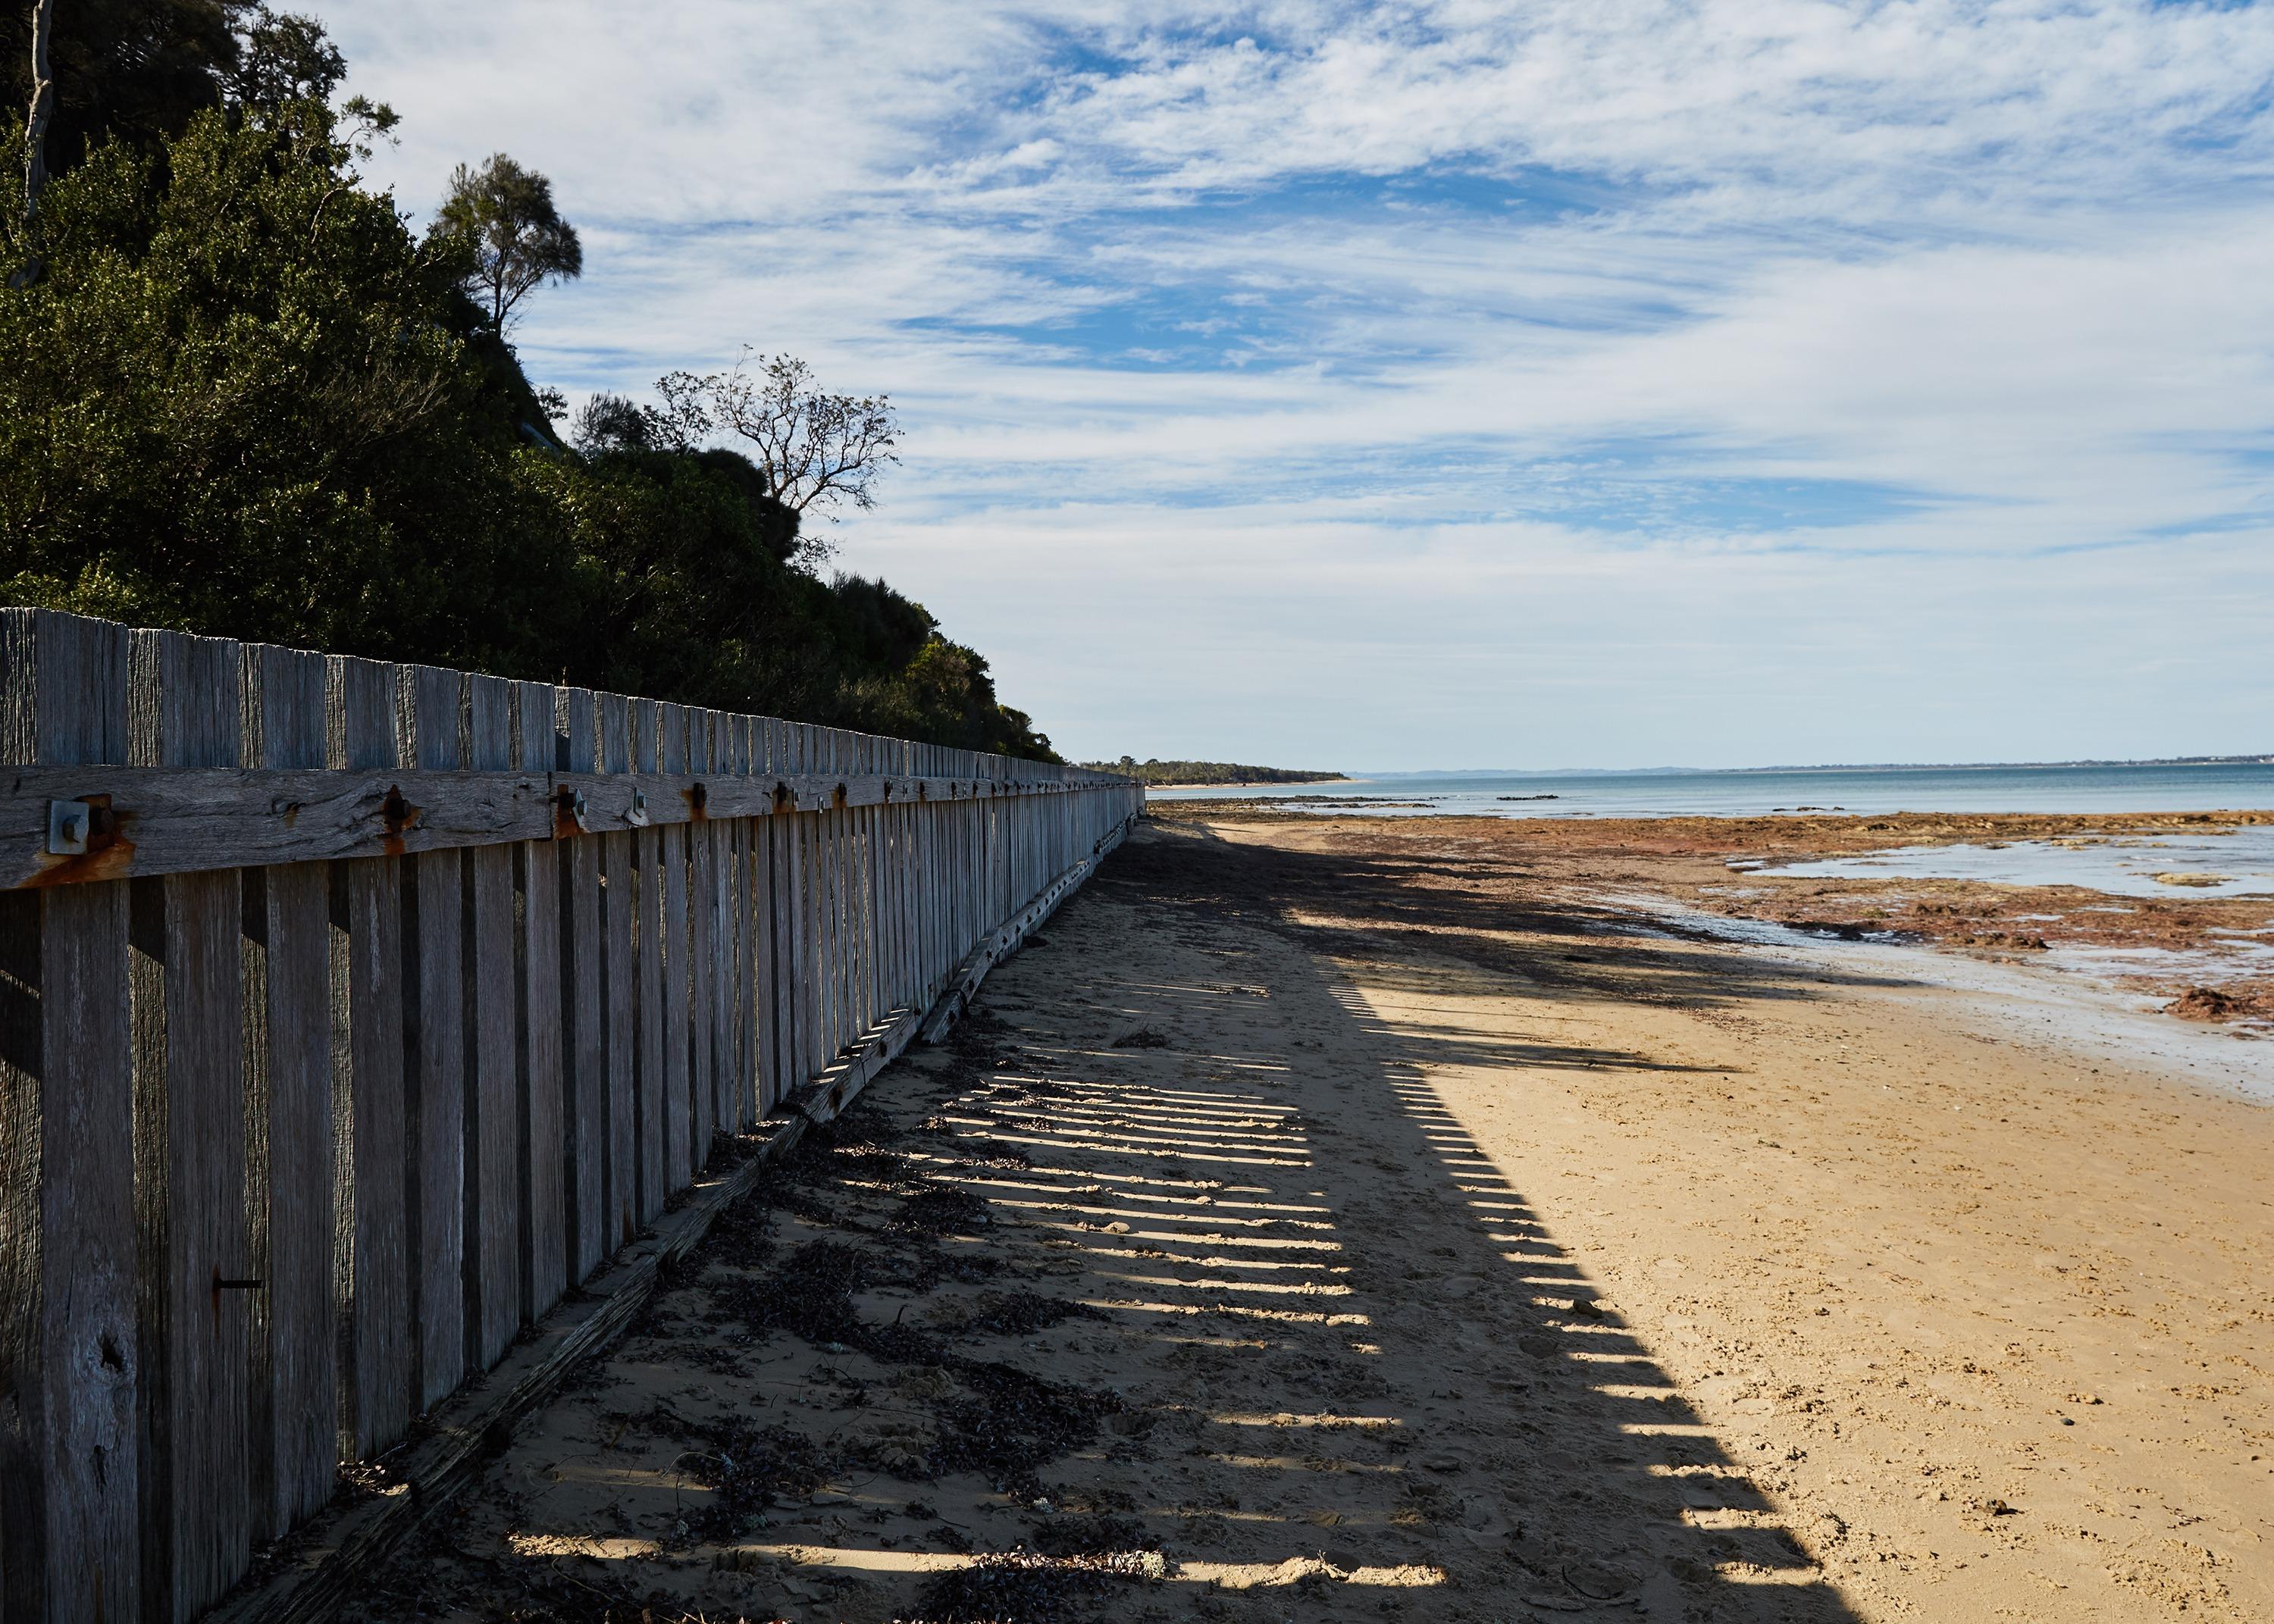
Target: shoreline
(2212, 956)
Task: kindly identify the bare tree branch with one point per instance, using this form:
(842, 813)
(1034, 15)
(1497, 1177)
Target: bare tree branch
(35, 135)
(818, 450)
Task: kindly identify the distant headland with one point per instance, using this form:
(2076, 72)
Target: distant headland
(1175, 774)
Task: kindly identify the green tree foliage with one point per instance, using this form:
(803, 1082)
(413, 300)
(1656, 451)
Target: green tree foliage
(134, 69)
(512, 236)
(244, 396)
(244, 399)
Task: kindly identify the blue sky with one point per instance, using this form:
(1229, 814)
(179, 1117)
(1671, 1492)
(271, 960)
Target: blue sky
(1467, 383)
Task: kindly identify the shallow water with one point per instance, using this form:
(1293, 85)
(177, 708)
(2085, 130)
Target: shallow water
(1756, 794)
(2081, 1005)
(2119, 865)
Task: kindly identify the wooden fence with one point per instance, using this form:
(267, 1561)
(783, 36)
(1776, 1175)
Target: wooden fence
(351, 1012)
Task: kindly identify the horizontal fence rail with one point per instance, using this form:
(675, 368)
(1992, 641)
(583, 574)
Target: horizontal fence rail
(351, 1013)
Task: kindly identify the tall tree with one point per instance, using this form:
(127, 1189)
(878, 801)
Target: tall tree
(505, 213)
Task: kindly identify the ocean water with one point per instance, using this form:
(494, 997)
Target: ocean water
(2235, 787)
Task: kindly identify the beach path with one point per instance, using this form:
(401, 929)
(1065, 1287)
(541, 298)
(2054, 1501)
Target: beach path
(1319, 1224)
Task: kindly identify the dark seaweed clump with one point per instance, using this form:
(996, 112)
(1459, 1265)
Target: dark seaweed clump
(1013, 1314)
(942, 1212)
(747, 1467)
(1025, 1587)
(1014, 1423)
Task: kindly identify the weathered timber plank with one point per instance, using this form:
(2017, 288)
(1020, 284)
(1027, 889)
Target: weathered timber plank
(680, 1156)
(368, 1116)
(430, 702)
(703, 954)
(490, 959)
(70, 1351)
(171, 821)
(186, 983)
(620, 901)
(544, 1146)
(158, 820)
(647, 986)
(294, 1435)
(581, 953)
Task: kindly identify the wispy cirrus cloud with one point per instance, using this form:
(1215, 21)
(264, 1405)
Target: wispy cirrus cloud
(1294, 376)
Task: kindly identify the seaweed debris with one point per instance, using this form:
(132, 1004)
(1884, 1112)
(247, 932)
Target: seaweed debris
(1028, 1587)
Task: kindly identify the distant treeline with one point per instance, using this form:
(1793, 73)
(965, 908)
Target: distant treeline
(1156, 771)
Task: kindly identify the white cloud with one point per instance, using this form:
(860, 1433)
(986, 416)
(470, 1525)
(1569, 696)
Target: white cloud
(1383, 469)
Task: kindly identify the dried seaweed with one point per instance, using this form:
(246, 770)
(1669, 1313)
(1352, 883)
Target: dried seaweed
(1026, 1586)
(942, 1212)
(1011, 1313)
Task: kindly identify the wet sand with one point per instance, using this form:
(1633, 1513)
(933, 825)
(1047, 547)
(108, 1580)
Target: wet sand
(1348, 1220)
(2172, 942)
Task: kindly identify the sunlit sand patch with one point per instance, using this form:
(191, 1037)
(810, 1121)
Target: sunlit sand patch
(1746, 1573)
(1295, 1570)
(1137, 1149)
(605, 1548)
(752, 1558)
(1104, 1132)
(1231, 1310)
(1728, 1516)
(1254, 1242)
(1262, 1288)
(1211, 1215)
(1184, 1260)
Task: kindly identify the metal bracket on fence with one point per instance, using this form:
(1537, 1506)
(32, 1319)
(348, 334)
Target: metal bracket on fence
(68, 822)
(637, 816)
(569, 808)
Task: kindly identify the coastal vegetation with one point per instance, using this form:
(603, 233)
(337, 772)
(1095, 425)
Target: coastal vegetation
(1170, 774)
(240, 395)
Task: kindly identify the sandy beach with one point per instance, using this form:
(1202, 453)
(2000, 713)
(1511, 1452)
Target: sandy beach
(1339, 1219)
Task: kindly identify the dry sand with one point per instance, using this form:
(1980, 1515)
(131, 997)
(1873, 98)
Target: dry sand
(1347, 1221)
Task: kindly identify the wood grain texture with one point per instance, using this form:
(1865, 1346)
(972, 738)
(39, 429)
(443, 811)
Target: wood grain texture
(371, 1210)
(619, 1037)
(195, 820)
(647, 984)
(703, 879)
(70, 1349)
(430, 734)
(185, 981)
(679, 1152)
(294, 1436)
(489, 961)
(581, 950)
(543, 1140)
